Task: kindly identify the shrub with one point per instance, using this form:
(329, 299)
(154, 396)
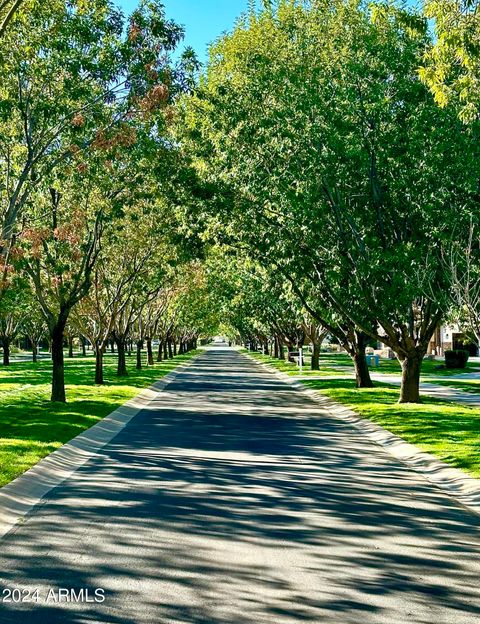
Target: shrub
(456, 358)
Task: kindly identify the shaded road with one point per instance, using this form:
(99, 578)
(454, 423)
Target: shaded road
(234, 499)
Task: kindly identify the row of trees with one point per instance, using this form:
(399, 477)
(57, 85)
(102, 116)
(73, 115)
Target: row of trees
(255, 307)
(118, 313)
(325, 159)
(90, 239)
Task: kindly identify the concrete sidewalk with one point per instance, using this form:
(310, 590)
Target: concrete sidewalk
(437, 391)
(233, 498)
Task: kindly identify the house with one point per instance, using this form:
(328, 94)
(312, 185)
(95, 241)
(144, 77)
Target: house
(451, 337)
(445, 337)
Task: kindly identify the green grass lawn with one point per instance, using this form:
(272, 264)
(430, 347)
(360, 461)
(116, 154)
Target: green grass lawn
(448, 430)
(31, 427)
(327, 365)
(332, 364)
(429, 367)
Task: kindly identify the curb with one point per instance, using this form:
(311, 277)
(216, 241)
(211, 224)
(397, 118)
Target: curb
(20, 496)
(452, 481)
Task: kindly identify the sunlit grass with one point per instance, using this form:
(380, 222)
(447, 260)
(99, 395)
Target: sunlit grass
(31, 427)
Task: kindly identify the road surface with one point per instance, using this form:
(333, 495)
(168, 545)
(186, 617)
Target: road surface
(234, 499)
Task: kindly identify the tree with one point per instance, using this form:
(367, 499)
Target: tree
(117, 285)
(13, 310)
(316, 334)
(149, 263)
(149, 324)
(59, 258)
(33, 326)
(166, 318)
(196, 311)
(462, 262)
(255, 303)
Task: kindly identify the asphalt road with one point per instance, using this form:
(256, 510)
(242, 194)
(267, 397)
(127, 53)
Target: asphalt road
(234, 499)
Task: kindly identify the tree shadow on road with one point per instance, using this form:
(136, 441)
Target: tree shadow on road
(236, 500)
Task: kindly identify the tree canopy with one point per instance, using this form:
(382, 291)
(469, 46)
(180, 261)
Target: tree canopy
(336, 167)
(316, 177)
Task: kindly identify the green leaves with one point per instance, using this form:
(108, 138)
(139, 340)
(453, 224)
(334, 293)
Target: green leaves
(451, 64)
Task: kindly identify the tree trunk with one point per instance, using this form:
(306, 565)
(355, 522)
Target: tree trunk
(34, 351)
(160, 351)
(139, 354)
(290, 350)
(70, 347)
(165, 350)
(122, 363)
(112, 346)
(6, 351)
(58, 369)
(410, 390)
(315, 365)
(150, 352)
(83, 343)
(362, 372)
(170, 350)
(356, 347)
(99, 365)
(174, 348)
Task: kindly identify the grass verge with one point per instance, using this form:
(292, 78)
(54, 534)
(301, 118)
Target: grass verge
(429, 367)
(327, 365)
(332, 364)
(31, 427)
(448, 430)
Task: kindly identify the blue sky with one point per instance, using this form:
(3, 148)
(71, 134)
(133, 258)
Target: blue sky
(204, 20)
